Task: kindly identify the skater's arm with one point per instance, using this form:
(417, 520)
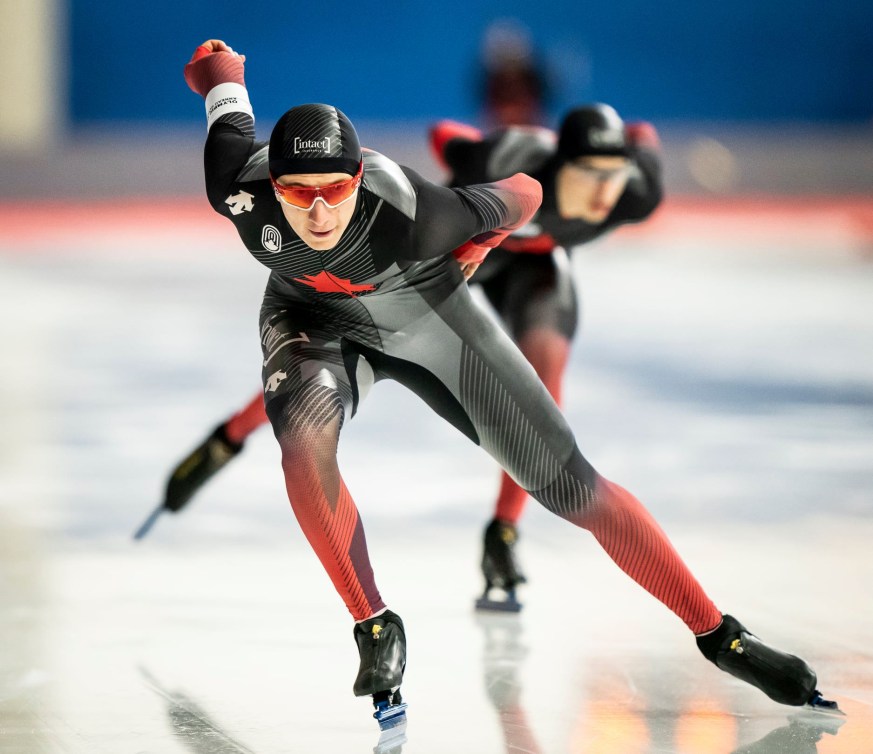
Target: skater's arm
(454, 144)
(472, 220)
(526, 195)
(216, 73)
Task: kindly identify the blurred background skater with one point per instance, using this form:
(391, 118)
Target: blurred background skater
(597, 173)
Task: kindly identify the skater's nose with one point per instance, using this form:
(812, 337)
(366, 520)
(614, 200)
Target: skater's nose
(319, 214)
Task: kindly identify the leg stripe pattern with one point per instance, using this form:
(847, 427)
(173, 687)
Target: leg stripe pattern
(575, 491)
(307, 424)
(503, 428)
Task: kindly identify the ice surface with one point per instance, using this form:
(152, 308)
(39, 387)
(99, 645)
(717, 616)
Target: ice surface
(730, 387)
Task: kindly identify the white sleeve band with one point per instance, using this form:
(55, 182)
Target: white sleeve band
(224, 99)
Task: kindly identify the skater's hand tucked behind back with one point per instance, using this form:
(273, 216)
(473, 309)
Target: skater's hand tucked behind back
(468, 269)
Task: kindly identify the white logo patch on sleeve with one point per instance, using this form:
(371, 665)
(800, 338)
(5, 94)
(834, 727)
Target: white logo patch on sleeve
(241, 202)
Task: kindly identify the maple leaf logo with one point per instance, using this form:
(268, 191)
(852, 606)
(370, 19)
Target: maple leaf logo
(324, 282)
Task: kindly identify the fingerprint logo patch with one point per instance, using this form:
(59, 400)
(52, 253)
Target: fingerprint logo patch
(271, 239)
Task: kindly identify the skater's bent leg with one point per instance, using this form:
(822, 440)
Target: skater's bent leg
(307, 424)
(246, 421)
(547, 350)
(631, 537)
(511, 500)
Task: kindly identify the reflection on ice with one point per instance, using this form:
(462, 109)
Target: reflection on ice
(391, 740)
(502, 656)
(800, 736)
(621, 718)
(192, 725)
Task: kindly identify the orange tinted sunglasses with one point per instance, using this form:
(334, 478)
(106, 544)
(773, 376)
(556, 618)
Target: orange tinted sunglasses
(304, 197)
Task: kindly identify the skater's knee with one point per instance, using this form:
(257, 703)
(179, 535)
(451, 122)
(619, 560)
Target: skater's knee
(307, 419)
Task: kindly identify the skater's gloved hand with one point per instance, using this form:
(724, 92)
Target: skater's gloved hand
(213, 63)
(642, 134)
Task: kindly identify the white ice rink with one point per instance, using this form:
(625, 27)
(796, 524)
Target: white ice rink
(728, 383)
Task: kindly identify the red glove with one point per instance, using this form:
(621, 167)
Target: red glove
(446, 130)
(214, 63)
(642, 134)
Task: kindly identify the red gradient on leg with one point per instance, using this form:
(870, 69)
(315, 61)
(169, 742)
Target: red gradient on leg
(548, 352)
(633, 539)
(243, 423)
(331, 530)
(510, 500)
(322, 503)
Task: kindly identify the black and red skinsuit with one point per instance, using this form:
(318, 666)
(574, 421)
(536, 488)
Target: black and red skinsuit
(528, 278)
(389, 301)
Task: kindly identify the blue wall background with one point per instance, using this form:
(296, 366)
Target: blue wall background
(749, 60)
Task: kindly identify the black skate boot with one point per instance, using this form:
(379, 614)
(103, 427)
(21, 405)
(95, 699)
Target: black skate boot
(500, 567)
(382, 647)
(197, 468)
(783, 677)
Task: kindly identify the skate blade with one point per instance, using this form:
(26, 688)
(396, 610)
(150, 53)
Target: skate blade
(390, 715)
(498, 606)
(148, 523)
(819, 704)
(508, 604)
(391, 740)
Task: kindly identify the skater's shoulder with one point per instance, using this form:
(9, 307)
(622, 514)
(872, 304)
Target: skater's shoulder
(520, 149)
(388, 181)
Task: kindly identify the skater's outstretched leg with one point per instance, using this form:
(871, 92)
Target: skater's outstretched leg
(632, 538)
(636, 543)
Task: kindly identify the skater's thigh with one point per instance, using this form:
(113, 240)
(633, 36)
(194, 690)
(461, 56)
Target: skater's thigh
(539, 293)
(463, 364)
(302, 359)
